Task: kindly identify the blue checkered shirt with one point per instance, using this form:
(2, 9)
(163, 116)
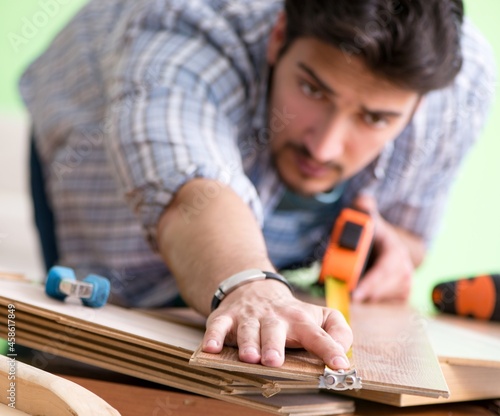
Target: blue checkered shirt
(135, 97)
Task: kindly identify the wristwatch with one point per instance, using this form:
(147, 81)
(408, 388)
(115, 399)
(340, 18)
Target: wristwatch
(241, 278)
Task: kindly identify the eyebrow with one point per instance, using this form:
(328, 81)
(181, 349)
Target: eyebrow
(318, 80)
(329, 90)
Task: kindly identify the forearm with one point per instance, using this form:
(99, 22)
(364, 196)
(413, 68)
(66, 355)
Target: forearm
(204, 247)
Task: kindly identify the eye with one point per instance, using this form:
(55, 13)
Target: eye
(375, 120)
(310, 90)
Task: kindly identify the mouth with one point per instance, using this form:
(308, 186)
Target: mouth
(310, 168)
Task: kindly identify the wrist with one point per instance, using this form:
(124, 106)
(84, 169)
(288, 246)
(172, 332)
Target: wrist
(242, 278)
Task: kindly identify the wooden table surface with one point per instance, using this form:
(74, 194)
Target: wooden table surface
(133, 400)
(136, 397)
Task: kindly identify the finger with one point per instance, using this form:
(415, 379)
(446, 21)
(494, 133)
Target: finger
(273, 338)
(337, 327)
(397, 289)
(381, 284)
(366, 203)
(316, 340)
(217, 330)
(248, 339)
(368, 285)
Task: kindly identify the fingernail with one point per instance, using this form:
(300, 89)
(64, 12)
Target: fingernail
(212, 343)
(340, 362)
(271, 355)
(250, 351)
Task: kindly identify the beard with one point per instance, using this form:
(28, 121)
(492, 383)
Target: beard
(303, 182)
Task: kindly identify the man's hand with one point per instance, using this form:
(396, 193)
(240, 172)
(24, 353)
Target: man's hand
(397, 253)
(263, 317)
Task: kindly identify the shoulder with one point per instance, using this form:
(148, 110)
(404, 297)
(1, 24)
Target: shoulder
(479, 68)
(456, 114)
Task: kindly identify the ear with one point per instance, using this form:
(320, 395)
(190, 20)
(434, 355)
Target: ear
(276, 39)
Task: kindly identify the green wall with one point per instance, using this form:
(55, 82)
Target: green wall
(26, 28)
(468, 242)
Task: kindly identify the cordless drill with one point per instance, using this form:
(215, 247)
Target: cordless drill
(476, 297)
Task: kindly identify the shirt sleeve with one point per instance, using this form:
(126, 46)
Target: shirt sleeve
(175, 103)
(429, 154)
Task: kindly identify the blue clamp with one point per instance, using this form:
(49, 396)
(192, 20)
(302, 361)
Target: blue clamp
(93, 290)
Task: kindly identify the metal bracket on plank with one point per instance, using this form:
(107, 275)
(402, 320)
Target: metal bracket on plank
(340, 380)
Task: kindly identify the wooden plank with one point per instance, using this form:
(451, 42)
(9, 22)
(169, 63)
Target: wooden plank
(172, 403)
(148, 338)
(469, 355)
(112, 321)
(12, 276)
(466, 383)
(8, 411)
(57, 342)
(38, 392)
(28, 323)
(309, 402)
(298, 365)
(81, 345)
(391, 353)
(462, 341)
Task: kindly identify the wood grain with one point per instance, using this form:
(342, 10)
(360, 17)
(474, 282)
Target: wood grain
(9, 411)
(138, 345)
(391, 353)
(299, 364)
(133, 400)
(40, 393)
(165, 402)
(156, 349)
(466, 383)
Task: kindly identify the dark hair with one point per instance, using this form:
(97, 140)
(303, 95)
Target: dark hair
(414, 44)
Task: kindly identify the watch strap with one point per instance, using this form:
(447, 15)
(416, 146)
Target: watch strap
(241, 278)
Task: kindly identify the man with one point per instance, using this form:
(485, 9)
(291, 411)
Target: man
(185, 143)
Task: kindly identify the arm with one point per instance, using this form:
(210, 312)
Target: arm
(260, 317)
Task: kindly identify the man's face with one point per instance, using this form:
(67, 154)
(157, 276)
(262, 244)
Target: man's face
(338, 118)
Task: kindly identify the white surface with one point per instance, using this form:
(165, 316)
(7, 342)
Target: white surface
(460, 345)
(126, 324)
(19, 249)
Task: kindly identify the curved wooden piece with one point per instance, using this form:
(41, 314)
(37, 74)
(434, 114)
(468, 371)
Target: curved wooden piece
(40, 393)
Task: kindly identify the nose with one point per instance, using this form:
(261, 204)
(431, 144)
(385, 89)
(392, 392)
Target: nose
(327, 142)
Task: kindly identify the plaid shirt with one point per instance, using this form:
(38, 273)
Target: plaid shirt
(135, 97)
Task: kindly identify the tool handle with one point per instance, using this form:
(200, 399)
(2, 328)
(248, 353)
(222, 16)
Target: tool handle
(477, 297)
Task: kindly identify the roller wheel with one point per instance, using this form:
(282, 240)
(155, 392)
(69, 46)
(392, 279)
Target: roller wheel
(54, 278)
(100, 293)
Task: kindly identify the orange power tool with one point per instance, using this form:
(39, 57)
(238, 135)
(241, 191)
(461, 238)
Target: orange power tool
(346, 257)
(476, 297)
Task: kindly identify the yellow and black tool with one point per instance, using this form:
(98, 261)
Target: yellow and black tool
(476, 297)
(346, 257)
